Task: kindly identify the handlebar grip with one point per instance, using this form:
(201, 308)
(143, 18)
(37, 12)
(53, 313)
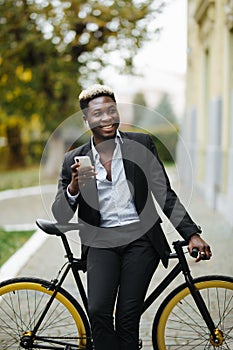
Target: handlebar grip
(195, 253)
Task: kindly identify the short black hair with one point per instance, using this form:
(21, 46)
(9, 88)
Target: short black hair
(92, 92)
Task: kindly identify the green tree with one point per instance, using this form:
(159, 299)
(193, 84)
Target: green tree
(49, 49)
(30, 68)
(138, 102)
(35, 76)
(165, 109)
(165, 129)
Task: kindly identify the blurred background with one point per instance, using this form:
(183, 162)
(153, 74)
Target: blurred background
(169, 62)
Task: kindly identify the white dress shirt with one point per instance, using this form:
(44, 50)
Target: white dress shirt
(115, 199)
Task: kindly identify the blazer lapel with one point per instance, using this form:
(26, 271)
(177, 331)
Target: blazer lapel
(127, 151)
(86, 151)
(90, 192)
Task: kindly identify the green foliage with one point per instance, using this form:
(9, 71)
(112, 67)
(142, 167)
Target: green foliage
(35, 150)
(163, 114)
(165, 108)
(165, 139)
(47, 46)
(10, 242)
(16, 156)
(138, 100)
(105, 32)
(160, 123)
(48, 49)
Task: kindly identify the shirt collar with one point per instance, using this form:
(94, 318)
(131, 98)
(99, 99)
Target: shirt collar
(118, 139)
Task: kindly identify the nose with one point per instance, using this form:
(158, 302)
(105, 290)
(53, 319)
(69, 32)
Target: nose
(106, 116)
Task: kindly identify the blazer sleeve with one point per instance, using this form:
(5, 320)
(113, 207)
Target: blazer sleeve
(166, 196)
(62, 208)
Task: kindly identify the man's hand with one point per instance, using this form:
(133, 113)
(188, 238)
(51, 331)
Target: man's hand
(80, 177)
(204, 249)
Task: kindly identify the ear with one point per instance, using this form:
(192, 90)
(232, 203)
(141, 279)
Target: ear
(85, 121)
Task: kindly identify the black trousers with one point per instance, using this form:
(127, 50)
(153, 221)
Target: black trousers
(118, 277)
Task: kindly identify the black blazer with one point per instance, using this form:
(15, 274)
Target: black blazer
(146, 177)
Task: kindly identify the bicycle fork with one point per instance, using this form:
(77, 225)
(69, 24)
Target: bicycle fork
(216, 335)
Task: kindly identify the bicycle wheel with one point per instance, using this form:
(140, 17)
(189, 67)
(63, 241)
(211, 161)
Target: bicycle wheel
(22, 302)
(178, 323)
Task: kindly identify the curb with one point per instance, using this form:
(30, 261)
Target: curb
(19, 227)
(14, 264)
(26, 191)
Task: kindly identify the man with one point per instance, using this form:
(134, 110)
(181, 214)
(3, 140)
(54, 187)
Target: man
(123, 240)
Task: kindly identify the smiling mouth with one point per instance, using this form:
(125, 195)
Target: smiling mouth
(107, 127)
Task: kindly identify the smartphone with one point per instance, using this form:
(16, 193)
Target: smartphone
(84, 161)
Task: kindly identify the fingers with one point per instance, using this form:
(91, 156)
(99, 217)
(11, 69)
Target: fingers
(204, 254)
(203, 248)
(81, 175)
(85, 174)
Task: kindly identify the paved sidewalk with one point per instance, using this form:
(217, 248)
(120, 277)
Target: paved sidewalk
(19, 210)
(46, 261)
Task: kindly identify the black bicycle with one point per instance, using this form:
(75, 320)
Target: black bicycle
(39, 314)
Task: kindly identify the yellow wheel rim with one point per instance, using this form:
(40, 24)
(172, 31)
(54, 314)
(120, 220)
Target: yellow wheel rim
(177, 298)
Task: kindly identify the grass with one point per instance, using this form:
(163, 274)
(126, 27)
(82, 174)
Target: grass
(11, 241)
(27, 177)
(14, 179)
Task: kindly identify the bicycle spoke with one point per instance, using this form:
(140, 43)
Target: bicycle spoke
(21, 308)
(225, 312)
(185, 328)
(54, 319)
(10, 318)
(189, 321)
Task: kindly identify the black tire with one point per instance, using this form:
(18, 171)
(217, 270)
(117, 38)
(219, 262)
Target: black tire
(179, 325)
(22, 301)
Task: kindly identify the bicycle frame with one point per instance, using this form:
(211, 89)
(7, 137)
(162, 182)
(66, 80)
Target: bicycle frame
(182, 266)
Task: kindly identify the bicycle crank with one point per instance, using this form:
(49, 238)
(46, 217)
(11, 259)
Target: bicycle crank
(217, 338)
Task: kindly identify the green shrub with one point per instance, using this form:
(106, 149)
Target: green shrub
(165, 139)
(166, 142)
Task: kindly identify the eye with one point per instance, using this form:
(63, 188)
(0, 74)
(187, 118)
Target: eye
(97, 114)
(112, 110)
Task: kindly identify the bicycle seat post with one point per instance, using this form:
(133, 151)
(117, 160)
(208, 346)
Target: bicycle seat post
(66, 245)
(73, 265)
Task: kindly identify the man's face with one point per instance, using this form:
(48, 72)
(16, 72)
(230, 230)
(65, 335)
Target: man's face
(103, 118)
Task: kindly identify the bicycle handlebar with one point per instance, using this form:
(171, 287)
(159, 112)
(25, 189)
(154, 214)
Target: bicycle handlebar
(194, 253)
(55, 228)
(176, 244)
